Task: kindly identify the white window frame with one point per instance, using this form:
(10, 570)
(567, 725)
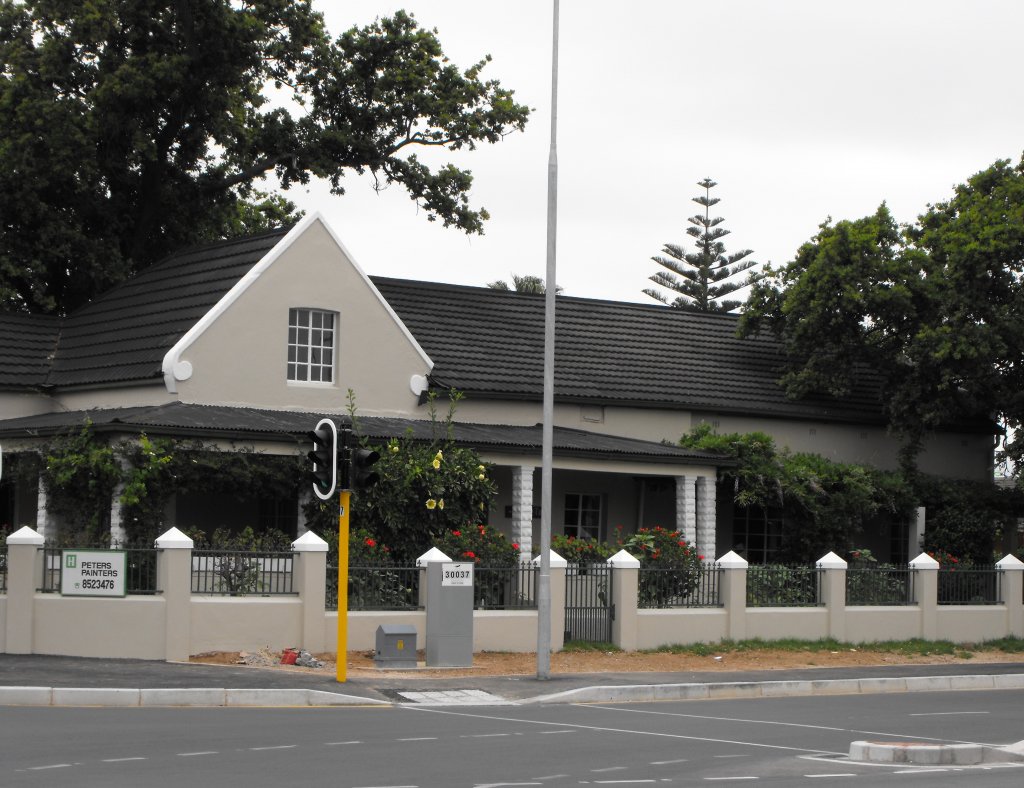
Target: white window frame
(580, 504)
(312, 346)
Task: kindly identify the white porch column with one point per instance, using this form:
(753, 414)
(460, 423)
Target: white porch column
(118, 533)
(522, 509)
(686, 508)
(304, 496)
(43, 525)
(706, 516)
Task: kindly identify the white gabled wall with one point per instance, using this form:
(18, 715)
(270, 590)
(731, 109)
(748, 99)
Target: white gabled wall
(237, 355)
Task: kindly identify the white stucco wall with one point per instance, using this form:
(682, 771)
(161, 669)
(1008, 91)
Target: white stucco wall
(241, 358)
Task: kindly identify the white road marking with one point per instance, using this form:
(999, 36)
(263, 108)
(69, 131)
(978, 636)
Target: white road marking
(944, 713)
(773, 722)
(51, 766)
(274, 747)
(920, 771)
(549, 733)
(666, 763)
(193, 754)
(608, 769)
(122, 760)
(419, 738)
(838, 774)
(483, 735)
(337, 743)
(730, 756)
(724, 779)
(602, 729)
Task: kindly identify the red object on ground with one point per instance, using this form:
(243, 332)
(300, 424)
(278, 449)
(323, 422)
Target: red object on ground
(289, 656)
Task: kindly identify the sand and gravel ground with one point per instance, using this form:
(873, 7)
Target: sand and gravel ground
(360, 663)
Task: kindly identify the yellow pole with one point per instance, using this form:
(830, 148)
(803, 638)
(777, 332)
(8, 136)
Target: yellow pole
(341, 660)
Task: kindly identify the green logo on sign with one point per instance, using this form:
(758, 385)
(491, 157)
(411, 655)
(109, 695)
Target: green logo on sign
(70, 561)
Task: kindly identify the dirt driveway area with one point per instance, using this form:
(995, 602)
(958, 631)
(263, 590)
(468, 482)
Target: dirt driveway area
(521, 664)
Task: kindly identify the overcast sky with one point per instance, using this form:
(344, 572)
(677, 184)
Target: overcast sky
(799, 109)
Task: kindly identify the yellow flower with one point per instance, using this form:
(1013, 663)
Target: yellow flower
(437, 464)
(440, 504)
(481, 468)
(481, 477)
(394, 448)
(431, 503)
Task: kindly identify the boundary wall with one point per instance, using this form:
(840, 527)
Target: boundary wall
(175, 623)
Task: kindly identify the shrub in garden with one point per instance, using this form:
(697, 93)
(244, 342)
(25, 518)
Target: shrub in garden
(488, 549)
(481, 544)
(673, 564)
(581, 551)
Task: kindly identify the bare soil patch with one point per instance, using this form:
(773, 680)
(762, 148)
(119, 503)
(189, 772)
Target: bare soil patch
(487, 663)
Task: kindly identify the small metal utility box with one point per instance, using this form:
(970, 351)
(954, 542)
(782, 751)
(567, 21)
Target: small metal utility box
(396, 647)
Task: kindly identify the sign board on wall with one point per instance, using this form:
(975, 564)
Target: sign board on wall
(457, 575)
(92, 573)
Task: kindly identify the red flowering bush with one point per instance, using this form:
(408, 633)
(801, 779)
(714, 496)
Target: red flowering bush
(581, 551)
(946, 560)
(481, 544)
(659, 547)
(670, 566)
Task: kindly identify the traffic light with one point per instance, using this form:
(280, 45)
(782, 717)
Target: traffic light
(325, 458)
(362, 475)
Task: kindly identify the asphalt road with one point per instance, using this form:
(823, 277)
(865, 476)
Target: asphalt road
(771, 742)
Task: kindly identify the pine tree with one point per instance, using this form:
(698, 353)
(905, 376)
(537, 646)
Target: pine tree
(700, 277)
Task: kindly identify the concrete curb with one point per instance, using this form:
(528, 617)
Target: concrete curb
(778, 689)
(925, 754)
(633, 693)
(198, 697)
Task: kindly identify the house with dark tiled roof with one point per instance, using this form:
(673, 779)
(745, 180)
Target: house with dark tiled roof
(249, 342)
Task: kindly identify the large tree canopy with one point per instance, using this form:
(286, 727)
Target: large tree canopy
(129, 128)
(936, 308)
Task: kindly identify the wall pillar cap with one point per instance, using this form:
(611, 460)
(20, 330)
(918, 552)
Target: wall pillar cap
(309, 542)
(831, 561)
(432, 556)
(924, 561)
(732, 560)
(174, 540)
(555, 561)
(624, 560)
(1010, 563)
(26, 535)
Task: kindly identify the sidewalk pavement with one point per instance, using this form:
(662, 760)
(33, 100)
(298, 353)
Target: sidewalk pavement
(41, 680)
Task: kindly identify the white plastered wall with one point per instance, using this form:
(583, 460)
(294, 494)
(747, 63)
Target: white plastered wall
(240, 356)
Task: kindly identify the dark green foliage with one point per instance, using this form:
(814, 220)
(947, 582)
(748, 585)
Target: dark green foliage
(80, 474)
(673, 566)
(132, 128)
(964, 518)
(934, 309)
(825, 504)
(701, 278)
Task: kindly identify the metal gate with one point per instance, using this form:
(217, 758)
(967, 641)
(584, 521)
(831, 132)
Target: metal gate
(588, 603)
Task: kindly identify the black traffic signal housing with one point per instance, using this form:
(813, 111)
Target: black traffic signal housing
(362, 474)
(325, 458)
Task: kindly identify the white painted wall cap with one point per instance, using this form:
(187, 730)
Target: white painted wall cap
(831, 561)
(174, 539)
(624, 560)
(25, 535)
(732, 560)
(1011, 563)
(309, 542)
(555, 561)
(432, 556)
(924, 561)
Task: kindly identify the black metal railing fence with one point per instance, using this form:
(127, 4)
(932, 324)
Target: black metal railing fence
(684, 586)
(880, 585)
(782, 585)
(242, 572)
